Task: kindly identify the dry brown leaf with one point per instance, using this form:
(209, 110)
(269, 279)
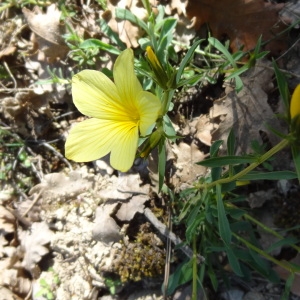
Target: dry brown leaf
(19, 285)
(28, 108)
(128, 33)
(186, 157)
(128, 210)
(243, 21)
(7, 221)
(106, 229)
(58, 186)
(203, 129)
(8, 51)
(34, 244)
(48, 29)
(7, 294)
(247, 112)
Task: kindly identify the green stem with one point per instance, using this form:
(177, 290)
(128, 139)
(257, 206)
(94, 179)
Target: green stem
(282, 144)
(195, 275)
(282, 264)
(165, 102)
(269, 230)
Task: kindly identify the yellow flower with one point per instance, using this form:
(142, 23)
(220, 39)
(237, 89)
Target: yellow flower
(119, 112)
(160, 74)
(295, 103)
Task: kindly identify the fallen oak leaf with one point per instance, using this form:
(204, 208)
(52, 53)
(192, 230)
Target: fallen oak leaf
(34, 244)
(48, 29)
(227, 18)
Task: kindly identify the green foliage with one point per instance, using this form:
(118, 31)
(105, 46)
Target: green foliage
(112, 285)
(48, 289)
(14, 153)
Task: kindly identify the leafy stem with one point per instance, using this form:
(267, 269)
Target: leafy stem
(282, 144)
(283, 264)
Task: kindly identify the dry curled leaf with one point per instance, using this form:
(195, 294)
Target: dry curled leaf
(128, 32)
(186, 157)
(34, 244)
(60, 187)
(128, 209)
(247, 112)
(7, 294)
(7, 221)
(106, 229)
(243, 21)
(49, 30)
(18, 284)
(28, 108)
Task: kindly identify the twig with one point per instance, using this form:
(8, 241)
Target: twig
(34, 201)
(10, 74)
(168, 255)
(58, 154)
(288, 50)
(162, 228)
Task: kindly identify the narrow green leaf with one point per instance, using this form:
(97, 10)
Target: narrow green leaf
(231, 142)
(159, 17)
(114, 37)
(275, 175)
(186, 59)
(287, 288)
(215, 148)
(290, 240)
(238, 83)
(224, 228)
(168, 128)
(233, 261)
(182, 274)
(125, 14)
(216, 173)
(226, 160)
(238, 72)
(165, 37)
(283, 86)
(213, 277)
(228, 187)
(90, 43)
(219, 46)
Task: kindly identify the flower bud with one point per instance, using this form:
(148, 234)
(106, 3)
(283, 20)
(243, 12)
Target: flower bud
(160, 74)
(295, 103)
(152, 142)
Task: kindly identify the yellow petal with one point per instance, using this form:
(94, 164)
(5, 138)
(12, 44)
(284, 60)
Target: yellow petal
(90, 140)
(149, 107)
(94, 138)
(123, 154)
(295, 102)
(95, 95)
(125, 79)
